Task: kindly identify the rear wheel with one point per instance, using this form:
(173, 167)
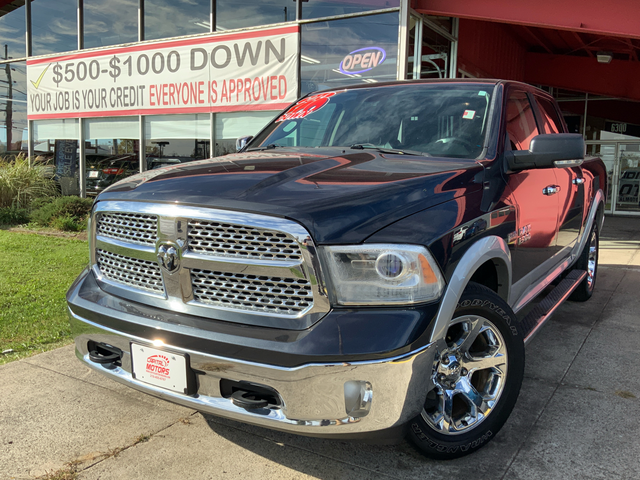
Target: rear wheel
(588, 261)
(476, 377)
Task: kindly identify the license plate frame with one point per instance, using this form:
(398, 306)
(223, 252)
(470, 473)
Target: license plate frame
(94, 173)
(161, 368)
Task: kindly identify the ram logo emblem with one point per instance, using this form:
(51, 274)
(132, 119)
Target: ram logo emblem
(168, 257)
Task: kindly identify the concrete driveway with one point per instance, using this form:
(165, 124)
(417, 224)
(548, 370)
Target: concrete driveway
(578, 415)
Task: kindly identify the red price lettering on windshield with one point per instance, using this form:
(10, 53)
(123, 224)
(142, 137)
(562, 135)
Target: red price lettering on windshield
(306, 106)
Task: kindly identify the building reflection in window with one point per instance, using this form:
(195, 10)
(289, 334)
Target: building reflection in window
(328, 8)
(168, 18)
(110, 22)
(54, 26)
(111, 151)
(172, 139)
(55, 146)
(349, 51)
(13, 108)
(232, 14)
(12, 32)
(230, 126)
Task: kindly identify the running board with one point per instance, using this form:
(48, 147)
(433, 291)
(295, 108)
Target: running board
(530, 324)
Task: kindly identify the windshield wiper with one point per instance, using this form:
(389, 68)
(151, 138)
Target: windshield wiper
(359, 146)
(271, 146)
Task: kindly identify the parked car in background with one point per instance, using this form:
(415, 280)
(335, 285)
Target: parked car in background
(109, 170)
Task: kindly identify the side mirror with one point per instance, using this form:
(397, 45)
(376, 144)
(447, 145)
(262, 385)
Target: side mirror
(242, 142)
(546, 151)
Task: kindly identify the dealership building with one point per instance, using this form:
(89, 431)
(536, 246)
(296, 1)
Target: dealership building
(90, 83)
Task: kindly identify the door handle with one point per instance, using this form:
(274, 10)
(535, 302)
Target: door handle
(578, 181)
(550, 190)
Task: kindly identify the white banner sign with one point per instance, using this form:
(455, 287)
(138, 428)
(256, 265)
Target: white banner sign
(255, 70)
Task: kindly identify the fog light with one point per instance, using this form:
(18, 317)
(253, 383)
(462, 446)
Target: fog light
(357, 398)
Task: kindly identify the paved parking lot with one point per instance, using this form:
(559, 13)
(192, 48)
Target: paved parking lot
(578, 415)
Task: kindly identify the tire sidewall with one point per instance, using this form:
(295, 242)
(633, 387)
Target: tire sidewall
(480, 301)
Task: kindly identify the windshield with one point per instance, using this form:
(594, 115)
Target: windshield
(444, 120)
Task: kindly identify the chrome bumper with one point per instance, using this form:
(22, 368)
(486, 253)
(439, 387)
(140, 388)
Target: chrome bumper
(317, 399)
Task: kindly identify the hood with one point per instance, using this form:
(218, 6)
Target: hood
(340, 196)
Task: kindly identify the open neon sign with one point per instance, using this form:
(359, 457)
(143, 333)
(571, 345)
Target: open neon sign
(362, 60)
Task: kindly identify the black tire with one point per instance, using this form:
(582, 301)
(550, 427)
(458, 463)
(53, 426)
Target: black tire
(588, 261)
(492, 338)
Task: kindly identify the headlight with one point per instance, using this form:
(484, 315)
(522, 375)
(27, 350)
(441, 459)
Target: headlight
(380, 274)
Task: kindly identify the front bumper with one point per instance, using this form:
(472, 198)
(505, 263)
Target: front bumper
(333, 379)
(316, 398)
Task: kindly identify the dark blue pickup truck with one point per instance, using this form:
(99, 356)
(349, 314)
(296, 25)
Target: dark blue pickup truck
(358, 270)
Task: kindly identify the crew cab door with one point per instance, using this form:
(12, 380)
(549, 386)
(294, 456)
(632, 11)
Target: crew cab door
(535, 194)
(570, 181)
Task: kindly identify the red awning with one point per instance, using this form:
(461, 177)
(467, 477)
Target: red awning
(617, 18)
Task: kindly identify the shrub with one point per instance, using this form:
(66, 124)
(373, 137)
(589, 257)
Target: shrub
(63, 213)
(13, 216)
(20, 184)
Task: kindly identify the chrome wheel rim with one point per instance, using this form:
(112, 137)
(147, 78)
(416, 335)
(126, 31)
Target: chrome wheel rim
(592, 260)
(468, 376)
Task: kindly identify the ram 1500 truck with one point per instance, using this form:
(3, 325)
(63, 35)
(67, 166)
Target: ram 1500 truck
(358, 270)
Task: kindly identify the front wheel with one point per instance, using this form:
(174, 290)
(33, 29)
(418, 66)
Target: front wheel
(476, 377)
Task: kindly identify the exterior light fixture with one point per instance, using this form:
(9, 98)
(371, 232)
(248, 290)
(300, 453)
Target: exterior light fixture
(604, 57)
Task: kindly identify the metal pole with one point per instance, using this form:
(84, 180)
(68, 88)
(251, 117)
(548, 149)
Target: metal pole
(417, 48)
(584, 120)
(453, 66)
(80, 24)
(212, 16)
(27, 9)
(142, 155)
(140, 21)
(403, 40)
(212, 135)
(83, 164)
(9, 108)
(30, 141)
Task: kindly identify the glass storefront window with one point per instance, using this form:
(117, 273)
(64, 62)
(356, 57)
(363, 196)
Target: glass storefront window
(232, 14)
(436, 54)
(110, 23)
(167, 18)
(349, 51)
(230, 126)
(628, 197)
(54, 26)
(328, 8)
(55, 144)
(12, 32)
(111, 151)
(172, 139)
(13, 108)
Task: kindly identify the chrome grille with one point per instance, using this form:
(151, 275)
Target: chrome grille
(129, 227)
(229, 240)
(128, 271)
(288, 296)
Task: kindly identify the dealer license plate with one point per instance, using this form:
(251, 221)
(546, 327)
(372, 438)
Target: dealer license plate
(94, 174)
(159, 367)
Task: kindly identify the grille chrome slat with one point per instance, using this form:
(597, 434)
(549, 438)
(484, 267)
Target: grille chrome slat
(131, 272)
(287, 296)
(229, 240)
(135, 228)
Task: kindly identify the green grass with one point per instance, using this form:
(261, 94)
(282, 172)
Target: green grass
(35, 273)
